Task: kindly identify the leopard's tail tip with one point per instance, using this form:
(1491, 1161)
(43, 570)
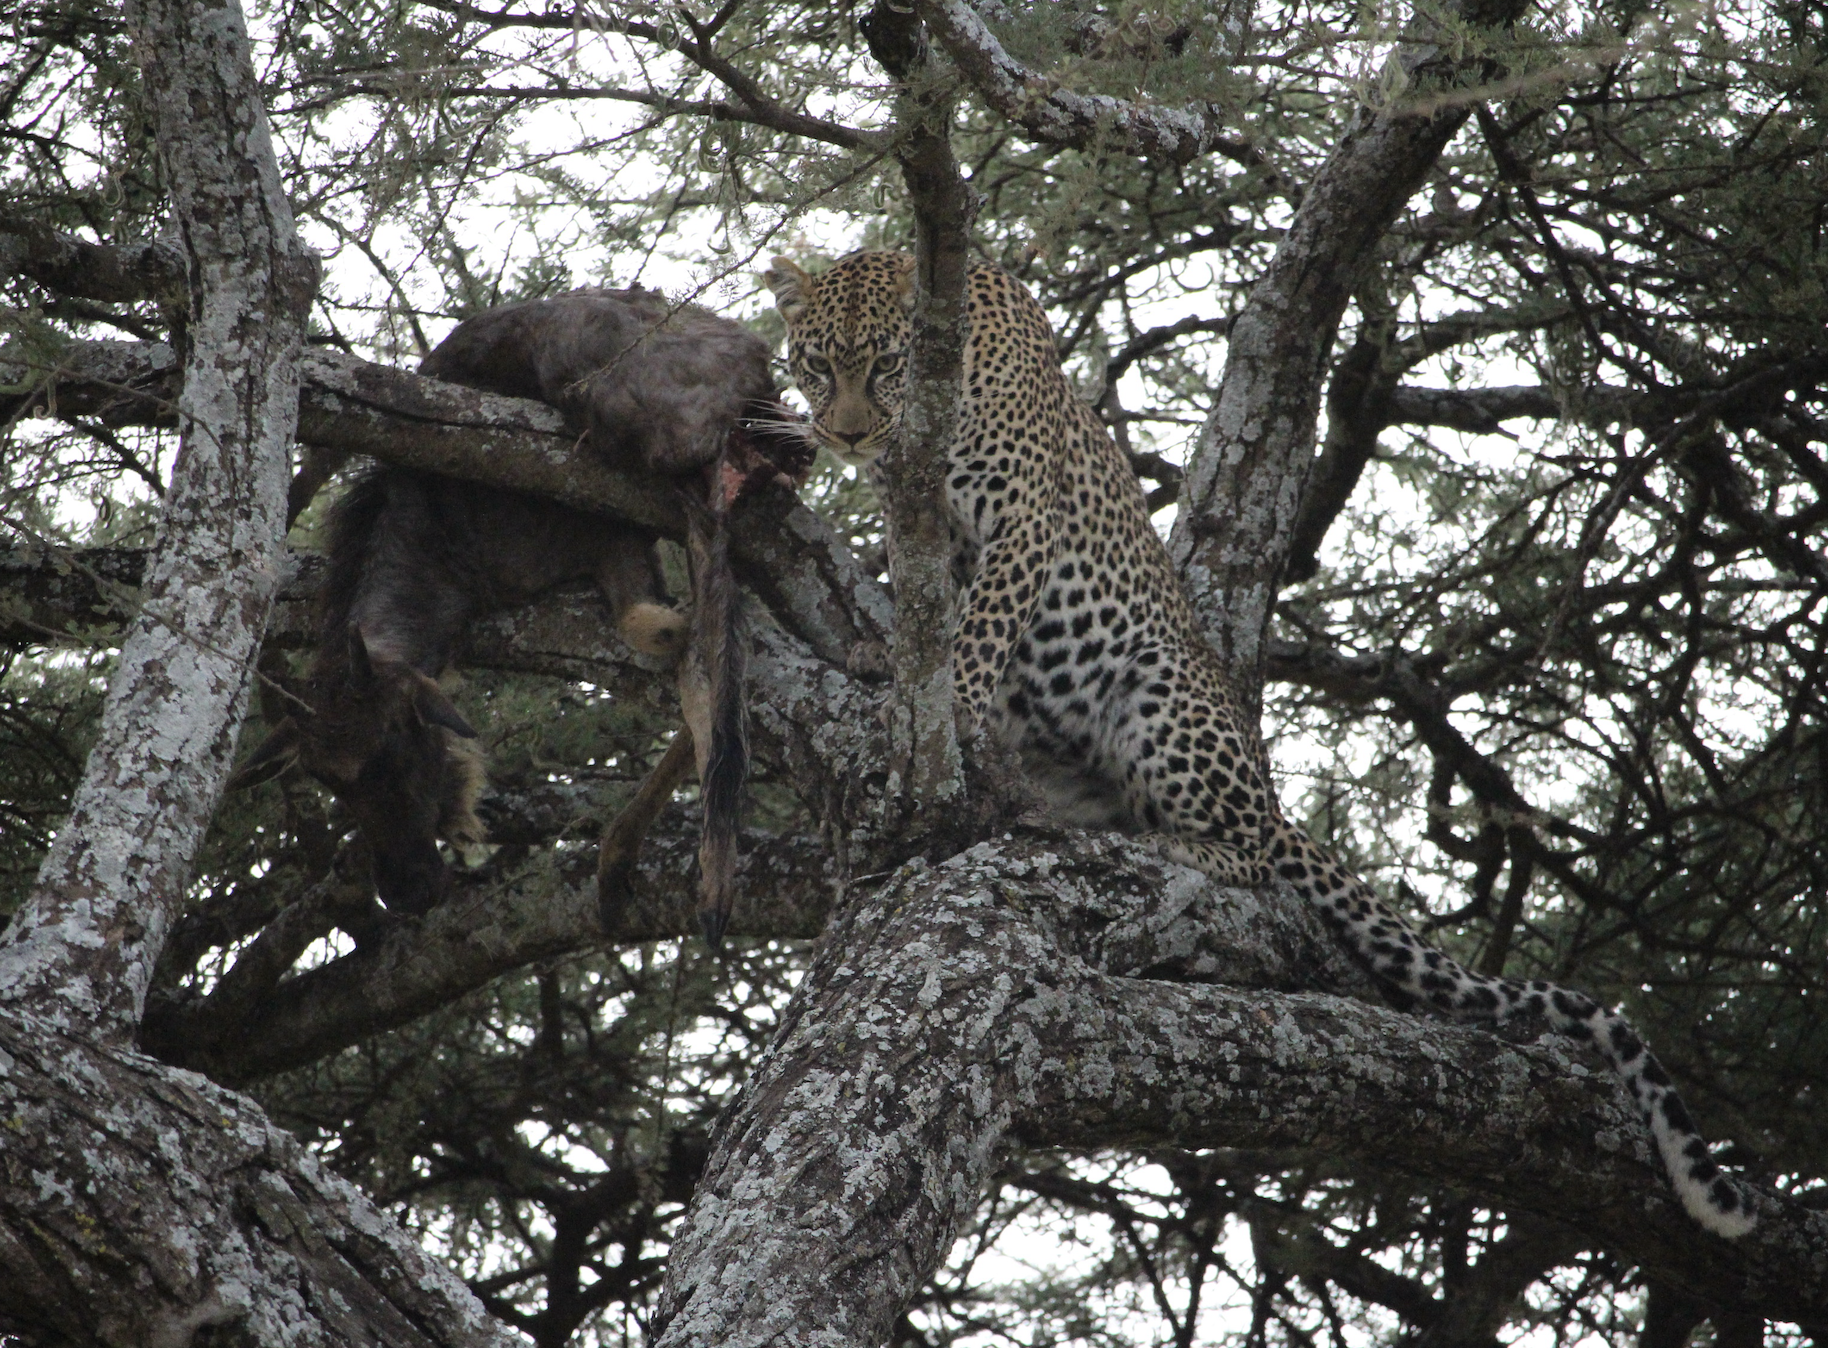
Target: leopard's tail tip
(1723, 1205)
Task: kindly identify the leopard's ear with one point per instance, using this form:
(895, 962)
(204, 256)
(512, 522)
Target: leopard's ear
(904, 284)
(791, 286)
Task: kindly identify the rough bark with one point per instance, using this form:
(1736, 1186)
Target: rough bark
(114, 878)
(139, 1204)
(142, 1206)
(912, 473)
(1245, 483)
(963, 1005)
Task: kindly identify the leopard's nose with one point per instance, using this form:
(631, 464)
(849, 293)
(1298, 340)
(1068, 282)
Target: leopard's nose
(850, 437)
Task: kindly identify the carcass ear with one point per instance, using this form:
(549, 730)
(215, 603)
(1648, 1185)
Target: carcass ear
(791, 286)
(277, 753)
(361, 668)
(436, 709)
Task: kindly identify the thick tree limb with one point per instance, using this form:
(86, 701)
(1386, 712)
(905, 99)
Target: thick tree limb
(141, 1206)
(112, 273)
(939, 1019)
(782, 550)
(112, 383)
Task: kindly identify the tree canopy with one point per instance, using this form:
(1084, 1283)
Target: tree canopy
(1516, 314)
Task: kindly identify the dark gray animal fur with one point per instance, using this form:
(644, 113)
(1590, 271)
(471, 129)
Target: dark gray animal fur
(414, 557)
(657, 385)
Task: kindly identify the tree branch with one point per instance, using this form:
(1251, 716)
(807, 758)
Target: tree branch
(238, 1034)
(1245, 482)
(754, 103)
(138, 1205)
(782, 549)
(940, 1019)
(112, 273)
(913, 472)
(1057, 116)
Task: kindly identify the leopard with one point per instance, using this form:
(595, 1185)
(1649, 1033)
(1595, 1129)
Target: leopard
(1076, 645)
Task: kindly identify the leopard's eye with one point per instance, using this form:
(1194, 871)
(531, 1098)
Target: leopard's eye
(887, 363)
(817, 363)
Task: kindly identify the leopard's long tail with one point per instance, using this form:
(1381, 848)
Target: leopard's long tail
(1386, 945)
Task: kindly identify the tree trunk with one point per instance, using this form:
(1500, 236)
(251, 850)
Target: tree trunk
(139, 1204)
(108, 889)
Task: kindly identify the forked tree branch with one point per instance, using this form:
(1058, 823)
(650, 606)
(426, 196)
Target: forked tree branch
(964, 1005)
(1245, 483)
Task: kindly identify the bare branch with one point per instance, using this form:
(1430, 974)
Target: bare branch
(1057, 116)
(112, 273)
(753, 103)
(248, 1029)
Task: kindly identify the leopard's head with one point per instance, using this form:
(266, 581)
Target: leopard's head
(847, 344)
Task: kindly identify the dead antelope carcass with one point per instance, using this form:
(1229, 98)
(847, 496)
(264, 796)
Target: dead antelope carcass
(414, 557)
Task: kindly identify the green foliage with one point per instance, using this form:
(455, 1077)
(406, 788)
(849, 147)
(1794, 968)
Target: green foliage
(48, 711)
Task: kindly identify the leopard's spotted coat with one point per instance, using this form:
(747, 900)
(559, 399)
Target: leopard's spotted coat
(1076, 640)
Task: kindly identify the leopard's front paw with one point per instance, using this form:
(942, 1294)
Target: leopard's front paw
(1226, 865)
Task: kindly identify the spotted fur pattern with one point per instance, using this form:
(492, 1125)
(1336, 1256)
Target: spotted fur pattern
(1076, 642)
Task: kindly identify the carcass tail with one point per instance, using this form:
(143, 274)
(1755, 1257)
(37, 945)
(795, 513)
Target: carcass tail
(720, 653)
